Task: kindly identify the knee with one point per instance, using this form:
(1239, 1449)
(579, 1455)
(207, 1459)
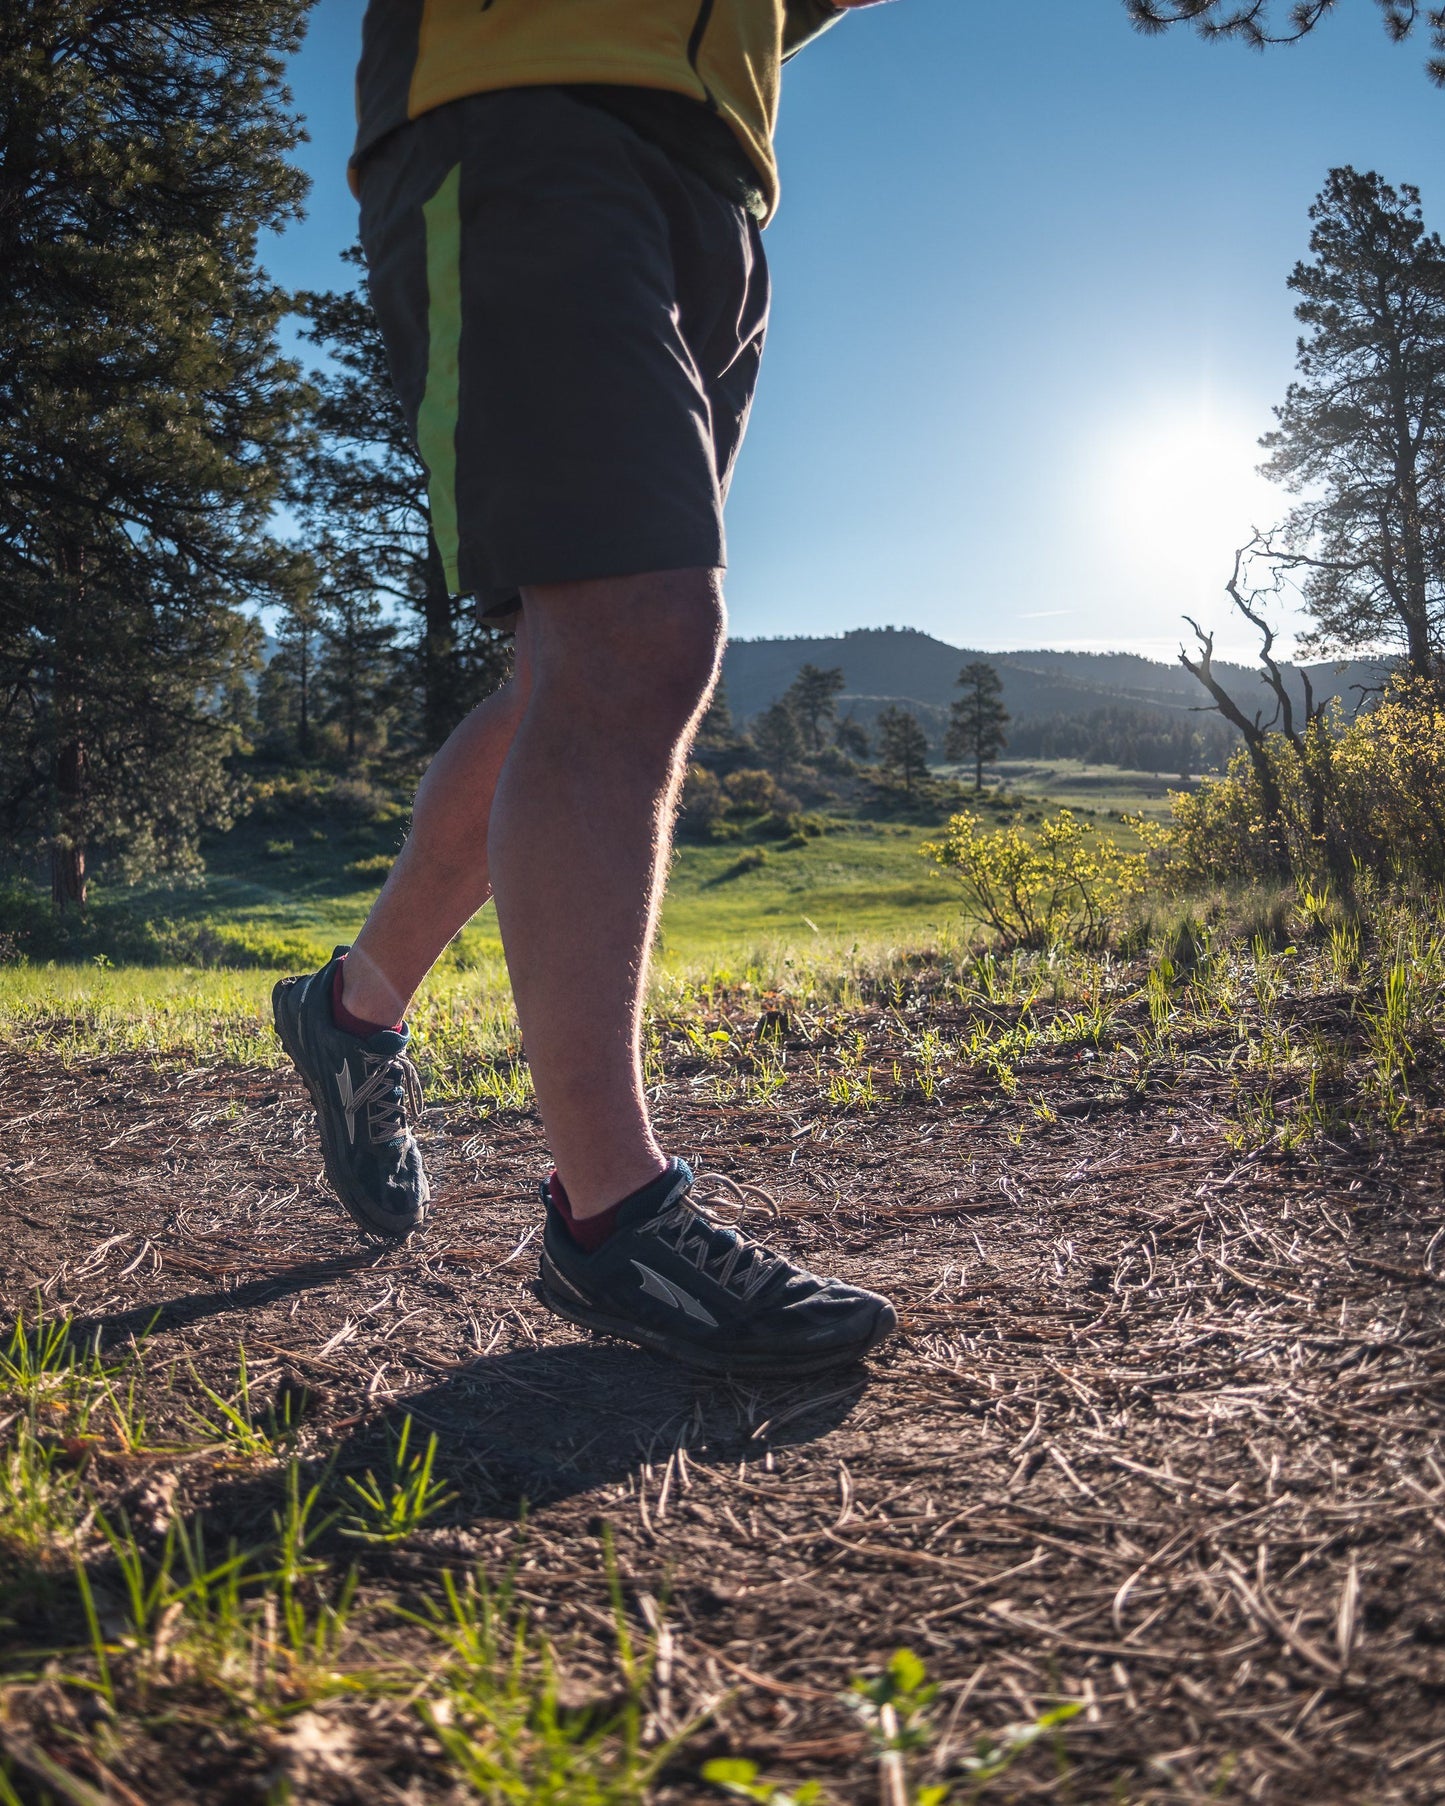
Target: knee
(638, 656)
(674, 664)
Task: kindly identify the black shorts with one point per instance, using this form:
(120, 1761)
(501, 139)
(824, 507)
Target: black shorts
(574, 323)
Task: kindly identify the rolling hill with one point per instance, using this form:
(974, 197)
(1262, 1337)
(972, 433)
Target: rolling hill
(883, 665)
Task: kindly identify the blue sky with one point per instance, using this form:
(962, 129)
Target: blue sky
(1029, 307)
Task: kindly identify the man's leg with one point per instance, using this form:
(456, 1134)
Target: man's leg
(356, 1067)
(441, 876)
(581, 831)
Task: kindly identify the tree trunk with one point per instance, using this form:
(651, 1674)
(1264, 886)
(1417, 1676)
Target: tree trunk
(303, 674)
(68, 767)
(1415, 605)
(67, 839)
(67, 877)
(1255, 741)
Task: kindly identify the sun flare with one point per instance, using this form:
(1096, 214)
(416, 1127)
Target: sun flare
(1181, 491)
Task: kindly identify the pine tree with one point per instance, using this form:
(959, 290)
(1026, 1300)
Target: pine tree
(144, 411)
(358, 669)
(977, 720)
(364, 485)
(1262, 22)
(717, 723)
(1362, 432)
(812, 698)
(850, 737)
(286, 697)
(777, 737)
(902, 746)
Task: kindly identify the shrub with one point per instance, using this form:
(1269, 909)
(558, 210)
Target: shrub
(790, 825)
(375, 865)
(201, 944)
(834, 762)
(745, 862)
(704, 801)
(752, 792)
(1366, 795)
(1066, 883)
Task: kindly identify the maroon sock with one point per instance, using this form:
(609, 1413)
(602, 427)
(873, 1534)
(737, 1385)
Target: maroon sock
(343, 1018)
(589, 1233)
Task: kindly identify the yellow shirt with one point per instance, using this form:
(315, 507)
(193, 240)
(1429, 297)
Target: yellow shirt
(727, 54)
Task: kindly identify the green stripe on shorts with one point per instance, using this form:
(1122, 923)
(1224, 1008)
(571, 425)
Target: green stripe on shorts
(436, 423)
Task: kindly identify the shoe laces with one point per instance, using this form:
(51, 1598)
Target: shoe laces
(716, 1247)
(391, 1089)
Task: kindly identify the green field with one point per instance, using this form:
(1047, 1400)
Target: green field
(187, 969)
(1103, 789)
(865, 880)
(759, 911)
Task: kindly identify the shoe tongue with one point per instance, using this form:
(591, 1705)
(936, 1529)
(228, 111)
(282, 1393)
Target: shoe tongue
(387, 1042)
(656, 1195)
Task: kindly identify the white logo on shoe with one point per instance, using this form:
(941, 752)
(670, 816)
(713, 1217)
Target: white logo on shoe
(347, 1096)
(658, 1287)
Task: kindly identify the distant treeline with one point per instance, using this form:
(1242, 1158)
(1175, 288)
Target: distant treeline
(1139, 739)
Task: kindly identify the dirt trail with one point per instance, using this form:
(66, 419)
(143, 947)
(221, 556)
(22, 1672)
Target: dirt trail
(1161, 1433)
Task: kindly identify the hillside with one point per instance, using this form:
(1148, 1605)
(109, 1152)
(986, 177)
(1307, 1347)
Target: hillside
(901, 664)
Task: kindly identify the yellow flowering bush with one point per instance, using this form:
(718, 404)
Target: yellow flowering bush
(1064, 883)
(1389, 771)
(1368, 794)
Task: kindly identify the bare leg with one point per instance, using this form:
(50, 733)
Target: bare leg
(581, 830)
(440, 879)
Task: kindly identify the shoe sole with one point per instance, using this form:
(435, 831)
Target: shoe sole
(357, 1211)
(707, 1360)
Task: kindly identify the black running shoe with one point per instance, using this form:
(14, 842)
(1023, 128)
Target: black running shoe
(367, 1093)
(673, 1277)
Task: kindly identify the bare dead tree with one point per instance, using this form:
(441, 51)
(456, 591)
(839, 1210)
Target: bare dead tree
(1254, 735)
(1301, 728)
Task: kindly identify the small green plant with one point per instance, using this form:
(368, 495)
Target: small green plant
(42, 1501)
(1344, 952)
(149, 1588)
(896, 1707)
(995, 1754)
(238, 1426)
(1159, 989)
(496, 1710)
(38, 1354)
(389, 1510)
(1390, 1029)
(738, 1779)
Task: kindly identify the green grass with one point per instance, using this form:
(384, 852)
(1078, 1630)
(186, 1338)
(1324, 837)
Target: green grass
(760, 909)
(1072, 784)
(298, 875)
(864, 880)
(821, 912)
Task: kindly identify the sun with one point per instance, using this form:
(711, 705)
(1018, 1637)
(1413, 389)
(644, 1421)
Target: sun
(1180, 490)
